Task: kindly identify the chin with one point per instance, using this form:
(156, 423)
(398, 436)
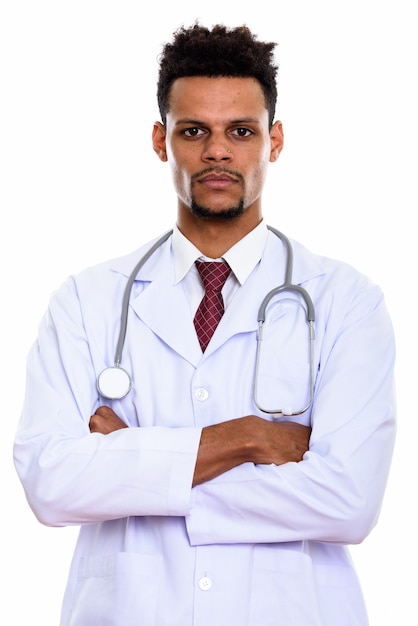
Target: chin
(219, 214)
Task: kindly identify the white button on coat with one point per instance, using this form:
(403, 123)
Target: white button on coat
(205, 583)
(202, 394)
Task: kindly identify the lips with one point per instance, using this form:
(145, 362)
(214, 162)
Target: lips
(217, 180)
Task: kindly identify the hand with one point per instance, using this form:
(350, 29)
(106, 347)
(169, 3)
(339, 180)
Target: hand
(277, 442)
(105, 421)
(249, 439)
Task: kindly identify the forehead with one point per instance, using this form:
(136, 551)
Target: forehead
(198, 97)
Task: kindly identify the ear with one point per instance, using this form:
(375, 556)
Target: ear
(158, 141)
(276, 139)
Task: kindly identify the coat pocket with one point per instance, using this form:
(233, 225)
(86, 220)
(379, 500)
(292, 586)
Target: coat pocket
(283, 589)
(116, 590)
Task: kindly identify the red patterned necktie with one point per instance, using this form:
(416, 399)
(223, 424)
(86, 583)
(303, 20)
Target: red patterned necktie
(211, 308)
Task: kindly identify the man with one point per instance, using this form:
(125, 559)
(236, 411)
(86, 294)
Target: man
(201, 502)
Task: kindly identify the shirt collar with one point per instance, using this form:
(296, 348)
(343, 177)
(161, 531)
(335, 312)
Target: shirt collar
(241, 258)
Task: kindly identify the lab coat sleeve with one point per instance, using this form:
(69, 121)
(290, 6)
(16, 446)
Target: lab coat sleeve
(71, 476)
(335, 493)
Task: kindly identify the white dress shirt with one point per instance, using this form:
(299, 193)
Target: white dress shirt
(241, 258)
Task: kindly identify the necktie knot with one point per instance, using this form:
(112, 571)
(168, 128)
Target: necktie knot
(211, 308)
(213, 274)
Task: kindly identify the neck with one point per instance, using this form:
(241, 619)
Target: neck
(215, 237)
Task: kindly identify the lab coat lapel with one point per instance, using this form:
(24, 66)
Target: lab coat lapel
(241, 314)
(163, 307)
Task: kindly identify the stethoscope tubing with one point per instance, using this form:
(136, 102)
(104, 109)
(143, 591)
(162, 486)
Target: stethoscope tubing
(127, 294)
(286, 286)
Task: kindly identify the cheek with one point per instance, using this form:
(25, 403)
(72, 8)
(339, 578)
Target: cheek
(181, 180)
(255, 182)
(178, 173)
(182, 166)
(257, 165)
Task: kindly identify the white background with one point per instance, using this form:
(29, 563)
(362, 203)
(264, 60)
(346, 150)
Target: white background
(80, 184)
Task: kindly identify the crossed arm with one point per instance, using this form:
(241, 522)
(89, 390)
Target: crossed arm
(231, 443)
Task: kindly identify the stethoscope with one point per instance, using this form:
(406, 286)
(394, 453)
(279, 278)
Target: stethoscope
(115, 383)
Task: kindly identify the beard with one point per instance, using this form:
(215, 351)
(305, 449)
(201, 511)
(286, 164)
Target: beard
(224, 214)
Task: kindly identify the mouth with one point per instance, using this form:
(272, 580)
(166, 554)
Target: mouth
(216, 179)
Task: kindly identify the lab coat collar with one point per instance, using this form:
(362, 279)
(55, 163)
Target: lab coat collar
(124, 265)
(163, 306)
(305, 267)
(269, 273)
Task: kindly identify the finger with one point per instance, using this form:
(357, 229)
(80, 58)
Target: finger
(105, 411)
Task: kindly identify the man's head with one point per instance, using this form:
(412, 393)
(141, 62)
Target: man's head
(217, 96)
(219, 52)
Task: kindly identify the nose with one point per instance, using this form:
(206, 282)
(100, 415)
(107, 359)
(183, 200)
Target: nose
(216, 150)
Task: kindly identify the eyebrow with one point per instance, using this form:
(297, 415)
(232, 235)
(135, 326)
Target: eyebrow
(245, 120)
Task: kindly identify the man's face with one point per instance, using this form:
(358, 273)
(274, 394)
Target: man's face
(218, 143)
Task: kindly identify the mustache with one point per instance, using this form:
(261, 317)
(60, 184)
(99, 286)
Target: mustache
(217, 170)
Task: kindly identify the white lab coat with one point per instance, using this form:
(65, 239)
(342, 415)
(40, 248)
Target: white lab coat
(260, 545)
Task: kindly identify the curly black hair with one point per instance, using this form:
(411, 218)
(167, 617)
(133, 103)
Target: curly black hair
(221, 51)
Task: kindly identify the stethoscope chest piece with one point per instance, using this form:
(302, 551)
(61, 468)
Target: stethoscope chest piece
(114, 383)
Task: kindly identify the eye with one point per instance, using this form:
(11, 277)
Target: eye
(193, 132)
(243, 132)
